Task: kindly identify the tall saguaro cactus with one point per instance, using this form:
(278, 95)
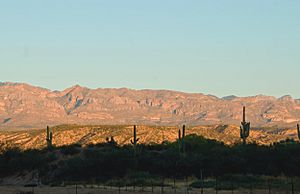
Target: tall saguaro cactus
(49, 138)
(181, 140)
(135, 140)
(298, 130)
(245, 127)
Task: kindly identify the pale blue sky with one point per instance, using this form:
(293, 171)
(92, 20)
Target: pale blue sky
(220, 47)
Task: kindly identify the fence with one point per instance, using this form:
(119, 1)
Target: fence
(219, 187)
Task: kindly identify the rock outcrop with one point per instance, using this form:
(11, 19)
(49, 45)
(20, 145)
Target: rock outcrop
(24, 106)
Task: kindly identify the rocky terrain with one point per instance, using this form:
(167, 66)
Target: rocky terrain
(23, 106)
(86, 135)
(83, 116)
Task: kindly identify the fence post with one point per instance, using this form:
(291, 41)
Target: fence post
(187, 184)
(269, 186)
(162, 185)
(152, 186)
(76, 189)
(232, 187)
(174, 185)
(216, 185)
(142, 187)
(292, 185)
(201, 178)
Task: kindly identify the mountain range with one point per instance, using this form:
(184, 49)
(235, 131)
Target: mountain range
(24, 106)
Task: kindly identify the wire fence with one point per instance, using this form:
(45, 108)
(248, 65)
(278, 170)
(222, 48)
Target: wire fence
(180, 188)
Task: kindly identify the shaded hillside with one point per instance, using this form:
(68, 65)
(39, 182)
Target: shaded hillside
(147, 164)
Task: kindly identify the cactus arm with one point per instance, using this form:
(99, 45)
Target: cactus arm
(298, 130)
(132, 142)
(47, 131)
(244, 114)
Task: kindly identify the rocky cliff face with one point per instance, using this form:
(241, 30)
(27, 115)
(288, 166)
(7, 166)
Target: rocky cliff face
(25, 106)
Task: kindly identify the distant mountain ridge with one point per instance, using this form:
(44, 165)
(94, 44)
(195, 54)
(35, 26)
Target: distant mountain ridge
(26, 106)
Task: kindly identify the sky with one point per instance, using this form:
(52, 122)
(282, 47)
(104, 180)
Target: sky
(220, 47)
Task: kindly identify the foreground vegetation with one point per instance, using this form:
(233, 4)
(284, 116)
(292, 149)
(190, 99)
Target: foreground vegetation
(149, 164)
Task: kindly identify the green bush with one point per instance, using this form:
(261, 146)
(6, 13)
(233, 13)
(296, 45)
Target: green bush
(71, 149)
(103, 162)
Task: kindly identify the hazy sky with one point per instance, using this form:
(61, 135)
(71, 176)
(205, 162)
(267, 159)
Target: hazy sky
(220, 47)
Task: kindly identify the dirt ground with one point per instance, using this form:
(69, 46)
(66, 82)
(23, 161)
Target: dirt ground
(129, 190)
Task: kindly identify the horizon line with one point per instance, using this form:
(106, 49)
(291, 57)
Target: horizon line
(143, 89)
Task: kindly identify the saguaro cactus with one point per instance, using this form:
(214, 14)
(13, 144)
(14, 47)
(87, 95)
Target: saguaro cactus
(135, 140)
(245, 127)
(181, 140)
(49, 138)
(298, 130)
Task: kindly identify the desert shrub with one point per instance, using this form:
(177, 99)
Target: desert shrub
(70, 149)
(25, 192)
(103, 162)
(204, 184)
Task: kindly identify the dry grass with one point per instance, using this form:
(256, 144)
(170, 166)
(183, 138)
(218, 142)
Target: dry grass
(130, 190)
(88, 134)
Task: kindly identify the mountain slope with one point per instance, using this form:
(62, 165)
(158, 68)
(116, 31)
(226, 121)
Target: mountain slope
(122, 134)
(25, 106)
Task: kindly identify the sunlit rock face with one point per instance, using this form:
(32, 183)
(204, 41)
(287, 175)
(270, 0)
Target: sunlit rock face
(25, 106)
